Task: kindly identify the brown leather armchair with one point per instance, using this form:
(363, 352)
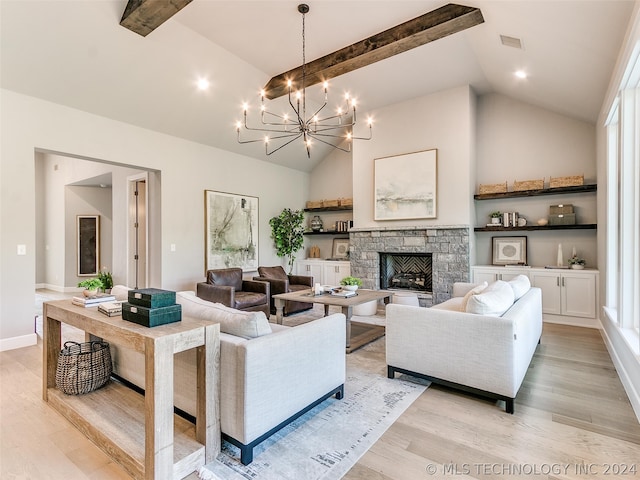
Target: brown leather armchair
(226, 286)
(282, 283)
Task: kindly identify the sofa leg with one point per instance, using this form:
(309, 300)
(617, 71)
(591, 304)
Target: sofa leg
(391, 372)
(340, 394)
(509, 408)
(246, 454)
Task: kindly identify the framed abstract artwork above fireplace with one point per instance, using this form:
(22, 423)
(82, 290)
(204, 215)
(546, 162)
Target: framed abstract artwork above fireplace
(405, 186)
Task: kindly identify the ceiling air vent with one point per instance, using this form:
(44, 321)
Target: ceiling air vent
(511, 41)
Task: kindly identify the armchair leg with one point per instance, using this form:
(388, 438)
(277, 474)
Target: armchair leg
(340, 393)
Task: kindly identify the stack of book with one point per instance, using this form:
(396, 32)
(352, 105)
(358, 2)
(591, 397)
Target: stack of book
(111, 309)
(343, 293)
(93, 301)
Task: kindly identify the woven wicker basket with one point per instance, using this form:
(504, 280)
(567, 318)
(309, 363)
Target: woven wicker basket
(528, 185)
(493, 188)
(571, 181)
(83, 367)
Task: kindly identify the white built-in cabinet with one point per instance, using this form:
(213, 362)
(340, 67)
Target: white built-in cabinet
(325, 272)
(571, 292)
(568, 296)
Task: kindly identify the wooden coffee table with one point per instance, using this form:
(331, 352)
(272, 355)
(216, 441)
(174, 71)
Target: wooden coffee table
(365, 332)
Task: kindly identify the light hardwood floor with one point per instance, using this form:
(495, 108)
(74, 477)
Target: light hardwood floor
(571, 413)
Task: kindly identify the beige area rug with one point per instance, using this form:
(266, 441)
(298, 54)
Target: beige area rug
(329, 439)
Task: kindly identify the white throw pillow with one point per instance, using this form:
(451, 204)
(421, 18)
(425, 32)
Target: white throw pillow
(232, 321)
(474, 291)
(520, 285)
(494, 300)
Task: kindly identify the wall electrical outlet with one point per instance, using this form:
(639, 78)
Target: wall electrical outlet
(22, 249)
(173, 247)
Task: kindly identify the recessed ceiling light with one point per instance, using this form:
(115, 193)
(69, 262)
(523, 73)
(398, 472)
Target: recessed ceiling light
(203, 84)
(520, 74)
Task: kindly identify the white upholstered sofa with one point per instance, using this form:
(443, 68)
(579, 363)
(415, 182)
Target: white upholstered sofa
(270, 374)
(486, 352)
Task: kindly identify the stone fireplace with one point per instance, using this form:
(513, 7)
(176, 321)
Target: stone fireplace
(446, 247)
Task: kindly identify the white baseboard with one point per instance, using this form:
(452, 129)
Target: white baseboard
(573, 321)
(58, 288)
(627, 383)
(18, 342)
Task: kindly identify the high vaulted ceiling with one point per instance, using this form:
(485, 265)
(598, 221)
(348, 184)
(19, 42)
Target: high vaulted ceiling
(75, 53)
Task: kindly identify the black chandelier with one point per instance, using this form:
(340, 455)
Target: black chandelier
(335, 130)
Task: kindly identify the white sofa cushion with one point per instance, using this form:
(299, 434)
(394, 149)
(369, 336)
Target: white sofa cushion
(494, 300)
(474, 291)
(520, 285)
(234, 322)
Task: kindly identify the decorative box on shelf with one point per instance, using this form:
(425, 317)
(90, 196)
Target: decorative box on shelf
(560, 209)
(562, 219)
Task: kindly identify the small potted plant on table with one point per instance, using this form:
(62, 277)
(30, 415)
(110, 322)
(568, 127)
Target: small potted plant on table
(91, 286)
(351, 283)
(107, 280)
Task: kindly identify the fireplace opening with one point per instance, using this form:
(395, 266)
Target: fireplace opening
(406, 271)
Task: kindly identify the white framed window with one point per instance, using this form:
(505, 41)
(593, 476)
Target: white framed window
(623, 204)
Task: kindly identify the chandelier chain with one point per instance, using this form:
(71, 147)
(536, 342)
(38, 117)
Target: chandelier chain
(304, 64)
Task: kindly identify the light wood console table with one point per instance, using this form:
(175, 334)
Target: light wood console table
(141, 433)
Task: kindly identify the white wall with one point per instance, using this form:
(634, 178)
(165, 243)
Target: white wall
(442, 121)
(517, 141)
(28, 124)
(331, 179)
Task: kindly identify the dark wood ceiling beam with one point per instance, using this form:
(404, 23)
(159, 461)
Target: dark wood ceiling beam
(144, 16)
(439, 23)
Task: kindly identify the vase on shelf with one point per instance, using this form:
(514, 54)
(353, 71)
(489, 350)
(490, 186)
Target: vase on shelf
(316, 223)
(560, 261)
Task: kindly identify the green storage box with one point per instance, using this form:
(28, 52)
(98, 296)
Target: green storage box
(562, 219)
(152, 297)
(151, 317)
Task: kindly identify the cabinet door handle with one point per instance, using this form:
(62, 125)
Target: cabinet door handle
(558, 281)
(563, 281)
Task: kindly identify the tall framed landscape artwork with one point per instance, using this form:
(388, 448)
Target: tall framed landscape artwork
(405, 186)
(231, 231)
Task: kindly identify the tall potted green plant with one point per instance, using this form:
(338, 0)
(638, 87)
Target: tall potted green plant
(287, 233)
